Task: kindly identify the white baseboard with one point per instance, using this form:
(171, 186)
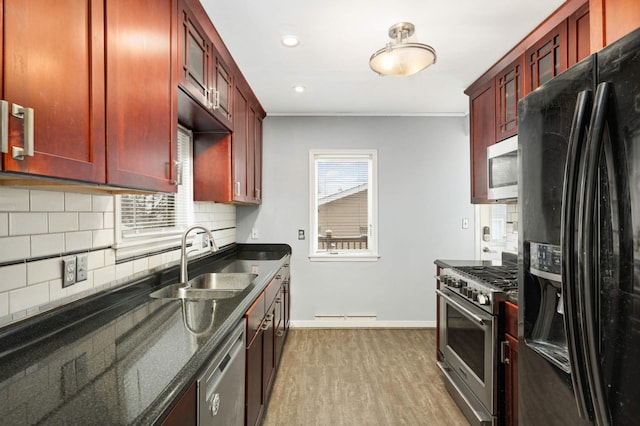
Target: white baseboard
(332, 323)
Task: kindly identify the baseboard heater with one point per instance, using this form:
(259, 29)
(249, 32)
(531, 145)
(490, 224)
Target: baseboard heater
(345, 317)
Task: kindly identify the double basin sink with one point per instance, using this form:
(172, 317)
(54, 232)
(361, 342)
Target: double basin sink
(226, 283)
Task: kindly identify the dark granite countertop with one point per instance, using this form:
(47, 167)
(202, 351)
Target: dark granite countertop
(121, 357)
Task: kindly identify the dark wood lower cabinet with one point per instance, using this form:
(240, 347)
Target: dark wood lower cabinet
(265, 344)
(185, 411)
(511, 380)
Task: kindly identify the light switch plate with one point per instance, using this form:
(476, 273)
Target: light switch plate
(81, 267)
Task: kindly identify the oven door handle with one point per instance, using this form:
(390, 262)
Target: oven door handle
(466, 311)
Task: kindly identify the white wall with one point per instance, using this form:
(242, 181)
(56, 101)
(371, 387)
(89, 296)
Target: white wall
(423, 172)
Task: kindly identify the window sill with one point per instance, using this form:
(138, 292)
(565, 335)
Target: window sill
(368, 257)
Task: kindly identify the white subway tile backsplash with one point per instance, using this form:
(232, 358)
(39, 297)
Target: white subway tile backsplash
(102, 238)
(4, 304)
(15, 248)
(77, 202)
(102, 203)
(81, 240)
(36, 223)
(12, 200)
(4, 224)
(104, 275)
(13, 277)
(47, 201)
(124, 270)
(95, 260)
(94, 220)
(27, 223)
(44, 270)
(63, 222)
(28, 297)
(47, 244)
(140, 265)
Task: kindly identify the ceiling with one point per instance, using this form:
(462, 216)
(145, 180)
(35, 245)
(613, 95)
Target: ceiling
(337, 37)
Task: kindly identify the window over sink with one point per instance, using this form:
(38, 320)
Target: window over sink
(343, 205)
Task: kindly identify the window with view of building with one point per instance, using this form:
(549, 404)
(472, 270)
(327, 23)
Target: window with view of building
(343, 190)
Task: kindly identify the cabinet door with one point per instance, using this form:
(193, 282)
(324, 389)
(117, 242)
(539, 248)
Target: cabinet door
(268, 352)
(223, 92)
(253, 388)
(578, 27)
(509, 84)
(53, 62)
(547, 58)
(251, 154)
(184, 412)
(483, 118)
(239, 146)
(195, 57)
(511, 380)
(141, 93)
(257, 157)
(611, 20)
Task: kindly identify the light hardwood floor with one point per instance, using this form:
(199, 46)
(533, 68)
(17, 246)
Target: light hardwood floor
(360, 377)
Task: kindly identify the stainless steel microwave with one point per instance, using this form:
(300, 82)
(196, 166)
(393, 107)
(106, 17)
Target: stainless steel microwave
(502, 170)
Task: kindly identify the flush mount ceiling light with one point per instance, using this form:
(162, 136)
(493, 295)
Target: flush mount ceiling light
(399, 57)
(299, 88)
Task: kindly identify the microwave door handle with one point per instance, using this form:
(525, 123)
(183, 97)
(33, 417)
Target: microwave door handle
(569, 235)
(464, 310)
(590, 263)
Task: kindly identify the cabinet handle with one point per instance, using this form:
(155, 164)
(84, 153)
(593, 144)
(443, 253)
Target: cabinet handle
(178, 166)
(257, 194)
(26, 115)
(216, 99)
(280, 333)
(237, 188)
(503, 353)
(4, 126)
(278, 300)
(265, 325)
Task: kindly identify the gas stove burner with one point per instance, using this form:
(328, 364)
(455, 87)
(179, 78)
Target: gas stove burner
(501, 277)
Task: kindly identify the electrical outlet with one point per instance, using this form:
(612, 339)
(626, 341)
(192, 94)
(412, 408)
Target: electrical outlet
(465, 223)
(301, 234)
(68, 271)
(254, 234)
(81, 267)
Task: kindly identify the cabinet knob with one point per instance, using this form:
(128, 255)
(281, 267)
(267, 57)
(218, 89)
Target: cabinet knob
(503, 352)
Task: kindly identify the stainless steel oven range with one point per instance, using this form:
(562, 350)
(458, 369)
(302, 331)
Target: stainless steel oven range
(470, 305)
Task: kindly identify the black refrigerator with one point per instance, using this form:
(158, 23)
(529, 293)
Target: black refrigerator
(579, 243)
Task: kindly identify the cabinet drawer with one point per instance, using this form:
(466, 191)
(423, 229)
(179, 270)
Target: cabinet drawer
(272, 290)
(511, 319)
(254, 316)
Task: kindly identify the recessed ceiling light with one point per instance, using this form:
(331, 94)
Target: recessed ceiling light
(290, 41)
(298, 88)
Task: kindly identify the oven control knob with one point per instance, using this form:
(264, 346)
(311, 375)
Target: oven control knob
(474, 295)
(462, 283)
(455, 283)
(483, 299)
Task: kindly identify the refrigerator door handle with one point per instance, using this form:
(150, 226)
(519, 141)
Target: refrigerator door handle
(589, 269)
(569, 236)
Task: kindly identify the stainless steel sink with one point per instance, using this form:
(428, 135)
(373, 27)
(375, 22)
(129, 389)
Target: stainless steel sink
(214, 285)
(227, 281)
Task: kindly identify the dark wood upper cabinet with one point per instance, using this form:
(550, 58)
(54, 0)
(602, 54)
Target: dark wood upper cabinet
(483, 119)
(100, 78)
(141, 93)
(579, 35)
(239, 143)
(509, 90)
(195, 57)
(612, 19)
(52, 61)
(547, 58)
(223, 92)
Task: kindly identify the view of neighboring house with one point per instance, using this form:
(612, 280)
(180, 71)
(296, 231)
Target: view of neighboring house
(343, 219)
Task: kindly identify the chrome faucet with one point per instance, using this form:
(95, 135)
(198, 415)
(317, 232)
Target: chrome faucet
(184, 278)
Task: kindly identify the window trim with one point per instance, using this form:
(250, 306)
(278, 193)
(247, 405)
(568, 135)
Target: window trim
(372, 253)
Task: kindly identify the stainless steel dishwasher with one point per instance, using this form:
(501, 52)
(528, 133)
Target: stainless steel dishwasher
(221, 386)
